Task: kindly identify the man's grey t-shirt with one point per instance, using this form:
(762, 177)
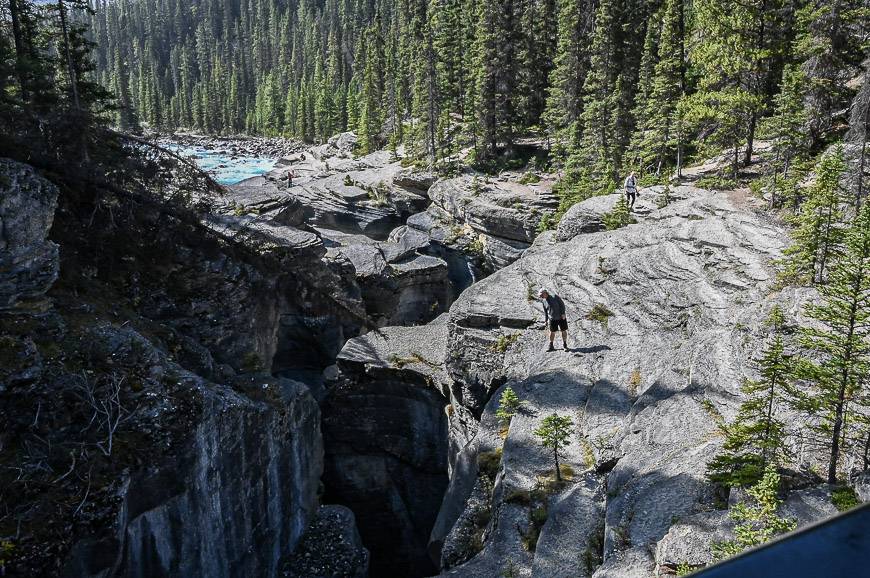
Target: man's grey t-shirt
(554, 307)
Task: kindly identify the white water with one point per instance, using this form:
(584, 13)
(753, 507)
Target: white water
(222, 166)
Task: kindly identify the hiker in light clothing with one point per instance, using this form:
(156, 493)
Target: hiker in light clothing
(630, 189)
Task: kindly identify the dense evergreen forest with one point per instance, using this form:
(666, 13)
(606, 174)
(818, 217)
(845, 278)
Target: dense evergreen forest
(611, 84)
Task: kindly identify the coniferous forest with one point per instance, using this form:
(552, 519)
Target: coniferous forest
(610, 84)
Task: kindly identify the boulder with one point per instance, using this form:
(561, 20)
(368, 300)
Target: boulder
(499, 209)
(585, 217)
(399, 286)
(29, 262)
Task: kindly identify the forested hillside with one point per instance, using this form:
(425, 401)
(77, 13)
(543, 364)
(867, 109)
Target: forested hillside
(612, 83)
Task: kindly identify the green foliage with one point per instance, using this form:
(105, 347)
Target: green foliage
(504, 342)
(839, 342)
(599, 313)
(716, 183)
(844, 498)
(665, 199)
(757, 521)
(548, 222)
(7, 549)
(820, 230)
(554, 434)
(529, 177)
(660, 133)
(508, 405)
(756, 437)
(790, 143)
(619, 217)
(489, 463)
(684, 569)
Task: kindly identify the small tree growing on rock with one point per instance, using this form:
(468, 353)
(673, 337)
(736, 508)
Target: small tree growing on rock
(620, 216)
(757, 521)
(756, 438)
(554, 434)
(508, 405)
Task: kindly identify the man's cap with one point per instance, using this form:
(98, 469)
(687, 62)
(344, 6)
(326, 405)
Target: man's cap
(542, 291)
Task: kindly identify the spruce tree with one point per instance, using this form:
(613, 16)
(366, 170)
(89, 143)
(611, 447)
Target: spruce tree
(819, 233)
(554, 433)
(735, 59)
(370, 120)
(496, 79)
(830, 48)
(592, 165)
(790, 145)
(756, 437)
(508, 405)
(571, 64)
(857, 137)
(757, 521)
(839, 343)
(658, 138)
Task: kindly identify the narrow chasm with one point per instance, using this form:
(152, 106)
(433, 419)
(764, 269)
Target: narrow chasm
(386, 448)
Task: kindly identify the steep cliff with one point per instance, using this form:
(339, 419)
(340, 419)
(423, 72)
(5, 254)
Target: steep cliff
(142, 434)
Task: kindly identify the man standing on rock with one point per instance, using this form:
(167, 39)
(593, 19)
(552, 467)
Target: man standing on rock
(290, 175)
(631, 189)
(554, 316)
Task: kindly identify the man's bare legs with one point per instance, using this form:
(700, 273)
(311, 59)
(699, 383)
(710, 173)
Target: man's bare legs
(564, 339)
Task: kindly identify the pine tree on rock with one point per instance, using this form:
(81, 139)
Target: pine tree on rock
(819, 234)
(554, 433)
(790, 145)
(840, 344)
(756, 438)
(756, 520)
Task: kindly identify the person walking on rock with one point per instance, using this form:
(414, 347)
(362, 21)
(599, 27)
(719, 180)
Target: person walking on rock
(631, 189)
(554, 316)
(290, 175)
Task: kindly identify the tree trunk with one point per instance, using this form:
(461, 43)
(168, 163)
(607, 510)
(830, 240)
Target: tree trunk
(558, 471)
(20, 49)
(73, 81)
(750, 138)
(430, 57)
(839, 409)
(835, 434)
(735, 166)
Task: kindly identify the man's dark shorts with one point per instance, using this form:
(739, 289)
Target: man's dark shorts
(558, 324)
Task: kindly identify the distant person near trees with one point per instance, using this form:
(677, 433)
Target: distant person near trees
(554, 317)
(631, 189)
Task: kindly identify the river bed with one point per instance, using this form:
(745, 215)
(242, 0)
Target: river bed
(226, 167)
